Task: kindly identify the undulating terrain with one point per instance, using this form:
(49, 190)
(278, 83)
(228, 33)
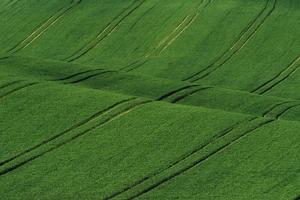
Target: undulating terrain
(150, 99)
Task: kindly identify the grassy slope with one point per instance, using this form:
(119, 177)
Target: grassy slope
(106, 150)
(145, 86)
(28, 110)
(272, 48)
(18, 22)
(86, 26)
(265, 167)
(105, 125)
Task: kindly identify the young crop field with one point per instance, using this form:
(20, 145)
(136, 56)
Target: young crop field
(150, 99)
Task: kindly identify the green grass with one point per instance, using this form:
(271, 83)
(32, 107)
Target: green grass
(149, 99)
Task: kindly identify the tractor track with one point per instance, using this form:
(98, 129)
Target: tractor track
(8, 167)
(172, 95)
(83, 76)
(169, 39)
(9, 84)
(181, 28)
(244, 38)
(8, 6)
(141, 187)
(175, 91)
(43, 28)
(141, 18)
(16, 89)
(107, 31)
(91, 76)
(190, 93)
(77, 74)
(279, 78)
(81, 123)
(150, 182)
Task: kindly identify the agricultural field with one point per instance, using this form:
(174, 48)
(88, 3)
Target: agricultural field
(150, 99)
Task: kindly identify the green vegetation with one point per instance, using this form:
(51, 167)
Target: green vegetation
(149, 99)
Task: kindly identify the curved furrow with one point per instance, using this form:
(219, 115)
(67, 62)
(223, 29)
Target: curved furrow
(259, 21)
(43, 28)
(215, 145)
(279, 78)
(96, 123)
(108, 30)
(170, 38)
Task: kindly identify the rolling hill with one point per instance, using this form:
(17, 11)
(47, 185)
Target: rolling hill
(149, 99)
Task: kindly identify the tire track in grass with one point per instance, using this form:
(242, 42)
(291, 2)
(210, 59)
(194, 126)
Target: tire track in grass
(181, 93)
(279, 78)
(8, 6)
(43, 28)
(107, 31)
(134, 65)
(119, 194)
(142, 17)
(16, 88)
(77, 74)
(181, 28)
(286, 109)
(251, 30)
(90, 76)
(169, 96)
(9, 84)
(165, 96)
(170, 38)
(179, 98)
(73, 127)
(82, 76)
(11, 3)
(218, 143)
(96, 123)
(174, 96)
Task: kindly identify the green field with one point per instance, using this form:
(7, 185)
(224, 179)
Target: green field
(150, 99)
